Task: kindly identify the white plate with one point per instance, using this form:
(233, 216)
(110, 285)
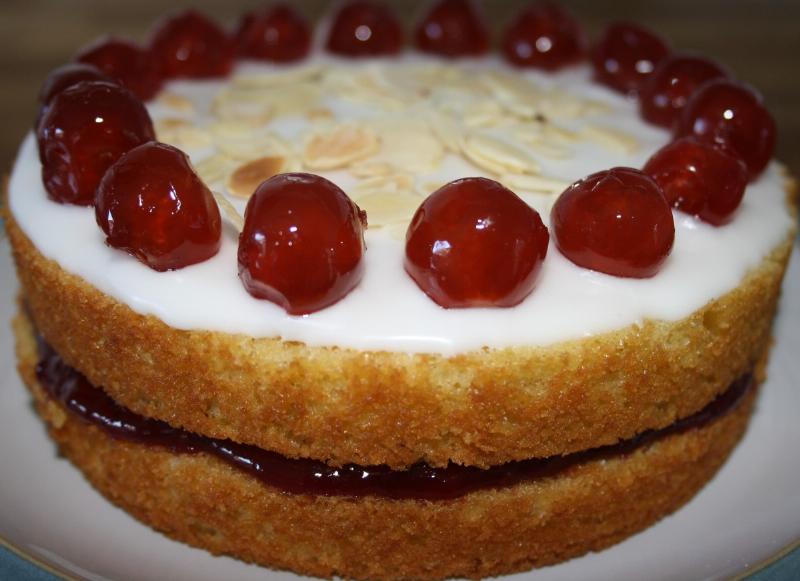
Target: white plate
(748, 513)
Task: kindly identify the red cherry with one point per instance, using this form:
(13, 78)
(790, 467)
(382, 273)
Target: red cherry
(674, 80)
(700, 179)
(475, 243)
(86, 128)
(545, 36)
(731, 116)
(626, 56)
(151, 204)
(277, 34)
(615, 221)
(68, 75)
(128, 63)
(190, 45)
(63, 78)
(302, 243)
(363, 28)
(452, 28)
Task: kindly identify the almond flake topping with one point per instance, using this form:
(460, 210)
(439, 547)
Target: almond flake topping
(176, 102)
(228, 209)
(246, 178)
(497, 156)
(339, 146)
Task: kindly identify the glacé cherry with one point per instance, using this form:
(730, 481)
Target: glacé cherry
(546, 36)
(733, 117)
(673, 82)
(365, 28)
(151, 204)
(699, 178)
(475, 243)
(128, 63)
(615, 221)
(63, 78)
(277, 33)
(86, 128)
(190, 45)
(68, 75)
(626, 55)
(452, 28)
(302, 244)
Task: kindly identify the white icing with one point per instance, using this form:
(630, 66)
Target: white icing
(387, 311)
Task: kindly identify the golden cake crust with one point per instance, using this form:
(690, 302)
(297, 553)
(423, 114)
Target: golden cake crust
(343, 405)
(200, 500)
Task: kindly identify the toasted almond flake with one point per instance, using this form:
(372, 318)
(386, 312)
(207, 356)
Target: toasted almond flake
(446, 129)
(289, 76)
(409, 146)
(536, 184)
(186, 137)
(495, 153)
(392, 183)
(176, 102)
(611, 138)
(230, 129)
(370, 168)
(255, 146)
(547, 149)
(170, 123)
(246, 178)
(214, 169)
(255, 114)
(339, 147)
(389, 208)
(482, 113)
(320, 114)
(233, 215)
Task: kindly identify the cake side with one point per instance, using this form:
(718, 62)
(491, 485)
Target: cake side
(340, 405)
(200, 500)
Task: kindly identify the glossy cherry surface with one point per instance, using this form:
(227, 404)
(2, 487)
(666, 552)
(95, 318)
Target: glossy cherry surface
(673, 82)
(86, 128)
(190, 45)
(278, 34)
(731, 116)
(475, 243)
(151, 204)
(302, 244)
(545, 36)
(626, 55)
(615, 221)
(68, 75)
(452, 28)
(127, 62)
(699, 178)
(364, 28)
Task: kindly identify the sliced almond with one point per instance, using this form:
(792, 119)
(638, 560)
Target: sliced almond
(611, 138)
(498, 156)
(255, 146)
(446, 129)
(392, 183)
(389, 208)
(339, 147)
(186, 137)
(535, 184)
(288, 76)
(229, 210)
(320, 114)
(410, 147)
(176, 102)
(371, 169)
(215, 169)
(246, 178)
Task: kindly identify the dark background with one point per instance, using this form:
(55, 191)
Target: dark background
(758, 39)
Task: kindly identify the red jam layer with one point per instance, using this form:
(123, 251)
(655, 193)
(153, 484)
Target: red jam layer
(301, 476)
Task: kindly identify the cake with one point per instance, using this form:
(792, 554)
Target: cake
(397, 424)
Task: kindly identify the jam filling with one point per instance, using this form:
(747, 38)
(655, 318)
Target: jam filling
(303, 476)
